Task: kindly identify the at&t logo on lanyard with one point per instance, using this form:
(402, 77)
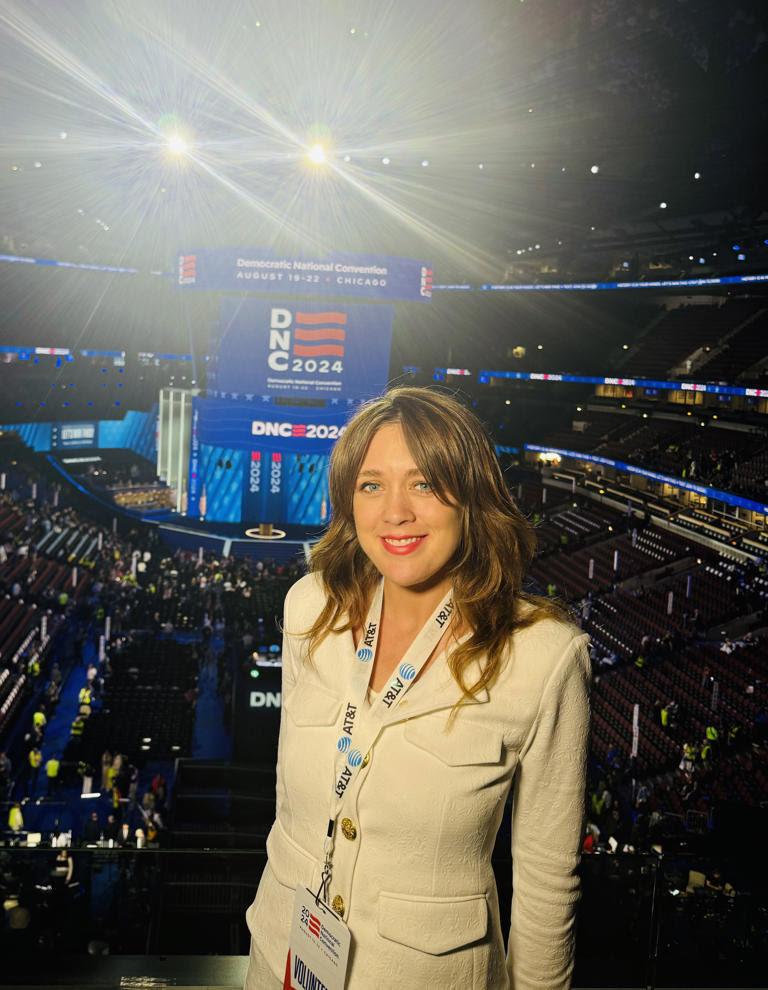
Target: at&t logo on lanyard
(365, 653)
(406, 673)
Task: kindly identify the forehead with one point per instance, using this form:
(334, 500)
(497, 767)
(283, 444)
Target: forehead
(387, 446)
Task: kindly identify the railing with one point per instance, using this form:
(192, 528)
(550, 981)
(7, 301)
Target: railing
(645, 920)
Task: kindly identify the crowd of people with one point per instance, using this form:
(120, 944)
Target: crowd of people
(229, 607)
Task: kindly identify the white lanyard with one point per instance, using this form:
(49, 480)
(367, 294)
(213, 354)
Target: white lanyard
(359, 731)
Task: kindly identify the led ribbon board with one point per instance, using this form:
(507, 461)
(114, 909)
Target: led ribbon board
(261, 270)
(727, 497)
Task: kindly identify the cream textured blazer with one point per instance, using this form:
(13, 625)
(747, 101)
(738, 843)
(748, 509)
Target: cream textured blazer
(414, 869)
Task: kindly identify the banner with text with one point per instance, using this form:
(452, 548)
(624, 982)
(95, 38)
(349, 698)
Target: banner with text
(234, 269)
(269, 349)
(241, 425)
(254, 462)
(65, 435)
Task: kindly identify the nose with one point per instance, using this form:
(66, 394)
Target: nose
(397, 508)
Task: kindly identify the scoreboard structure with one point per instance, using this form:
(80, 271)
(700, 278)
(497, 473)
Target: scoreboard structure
(284, 376)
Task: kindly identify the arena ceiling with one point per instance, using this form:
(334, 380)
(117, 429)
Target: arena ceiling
(453, 131)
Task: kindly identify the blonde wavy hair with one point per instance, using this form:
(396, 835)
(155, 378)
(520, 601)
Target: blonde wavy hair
(452, 450)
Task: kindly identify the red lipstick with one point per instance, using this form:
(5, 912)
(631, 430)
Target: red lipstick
(401, 549)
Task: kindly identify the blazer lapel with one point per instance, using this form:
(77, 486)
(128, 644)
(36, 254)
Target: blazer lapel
(435, 690)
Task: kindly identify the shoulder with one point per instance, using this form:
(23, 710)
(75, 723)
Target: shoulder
(303, 602)
(548, 650)
(547, 631)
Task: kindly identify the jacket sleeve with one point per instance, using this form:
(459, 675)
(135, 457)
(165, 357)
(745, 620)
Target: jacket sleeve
(292, 641)
(547, 824)
(291, 661)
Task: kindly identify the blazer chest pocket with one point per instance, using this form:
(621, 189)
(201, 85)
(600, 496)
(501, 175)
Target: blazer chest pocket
(435, 925)
(312, 704)
(458, 745)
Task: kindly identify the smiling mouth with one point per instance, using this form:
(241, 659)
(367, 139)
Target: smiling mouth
(402, 544)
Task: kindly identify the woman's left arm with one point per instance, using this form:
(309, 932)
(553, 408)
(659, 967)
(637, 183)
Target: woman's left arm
(547, 824)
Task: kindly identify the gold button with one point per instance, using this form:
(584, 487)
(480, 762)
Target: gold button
(348, 829)
(366, 759)
(338, 905)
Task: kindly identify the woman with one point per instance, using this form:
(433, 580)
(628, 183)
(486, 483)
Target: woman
(413, 638)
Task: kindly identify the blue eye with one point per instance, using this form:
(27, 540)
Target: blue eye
(423, 486)
(370, 486)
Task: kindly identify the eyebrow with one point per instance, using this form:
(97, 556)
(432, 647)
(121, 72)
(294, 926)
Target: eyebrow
(377, 472)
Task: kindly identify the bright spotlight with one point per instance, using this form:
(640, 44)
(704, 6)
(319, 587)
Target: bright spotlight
(177, 145)
(317, 154)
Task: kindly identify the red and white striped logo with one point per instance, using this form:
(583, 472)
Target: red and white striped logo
(320, 334)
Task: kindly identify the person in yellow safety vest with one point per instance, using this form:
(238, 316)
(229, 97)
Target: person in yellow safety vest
(688, 758)
(78, 725)
(15, 818)
(52, 773)
(640, 661)
(33, 668)
(35, 762)
(713, 738)
(63, 598)
(39, 720)
(706, 753)
(551, 589)
(734, 735)
(85, 695)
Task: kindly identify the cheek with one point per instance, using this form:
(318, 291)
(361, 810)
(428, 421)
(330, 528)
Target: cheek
(360, 522)
(454, 526)
(459, 535)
